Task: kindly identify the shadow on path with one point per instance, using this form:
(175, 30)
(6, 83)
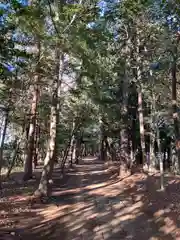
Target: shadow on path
(88, 204)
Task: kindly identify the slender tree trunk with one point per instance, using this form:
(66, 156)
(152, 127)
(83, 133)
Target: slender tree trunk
(160, 162)
(14, 157)
(140, 96)
(78, 148)
(141, 125)
(73, 132)
(65, 155)
(36, 144)
(28, 168)
(44, 181)
(103, 150)
(174, 105)
(152, 163)
(73, 152)
(72, 146)
(125, 158)
(151, 153)
(43, 189)
(6, 119)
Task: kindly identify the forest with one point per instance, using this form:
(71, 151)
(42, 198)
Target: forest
(89, 119)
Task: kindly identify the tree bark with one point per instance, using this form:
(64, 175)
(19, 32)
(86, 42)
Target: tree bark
(72, 146)
(36, 144)
(28, 168)
(14, 157)
(174, 104)
(140, 97)
(124, 133)
(6, 119)
(141, 125)
(43, 189)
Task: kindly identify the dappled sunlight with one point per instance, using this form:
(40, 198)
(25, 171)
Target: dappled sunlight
(102, 209)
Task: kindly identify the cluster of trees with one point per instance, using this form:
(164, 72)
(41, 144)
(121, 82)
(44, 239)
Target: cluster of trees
(89, 76)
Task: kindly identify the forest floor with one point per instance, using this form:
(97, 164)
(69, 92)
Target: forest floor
(92, 203)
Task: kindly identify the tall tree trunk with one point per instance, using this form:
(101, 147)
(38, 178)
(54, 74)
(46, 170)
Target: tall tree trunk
(72, 145)
(73, 132)
(174, 104)
(43, 189)
(31, 135)
(6, 119)
(28, 169)
(125, 158)
(36, 144)
(102, 144)
(45, 176)
(140, 96)
(160, 161)
(141, 125)
(132, 115)
(152, 162)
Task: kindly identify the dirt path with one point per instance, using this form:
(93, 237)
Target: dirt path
(89, 204)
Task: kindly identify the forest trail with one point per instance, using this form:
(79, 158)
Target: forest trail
(91, 204)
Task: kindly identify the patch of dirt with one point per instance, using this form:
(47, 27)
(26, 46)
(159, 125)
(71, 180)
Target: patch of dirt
(91, 202)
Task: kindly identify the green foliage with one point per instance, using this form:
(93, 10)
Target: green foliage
(101, 57)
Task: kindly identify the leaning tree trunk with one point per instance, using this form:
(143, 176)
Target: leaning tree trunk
(28, 168)
(43, 189)
(6, 119)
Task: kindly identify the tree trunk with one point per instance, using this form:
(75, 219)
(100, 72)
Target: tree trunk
(140, 96)
(73, 152)
(160, 161)
(28, 168)
(6, 119)
(141, 126)
(43, 189)
(36, 145)
(152, 163)
(102, 146)
(14, 157)
(72, 145)
(125, 158)
(68, 148)
(78, 148)
(174, 105)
